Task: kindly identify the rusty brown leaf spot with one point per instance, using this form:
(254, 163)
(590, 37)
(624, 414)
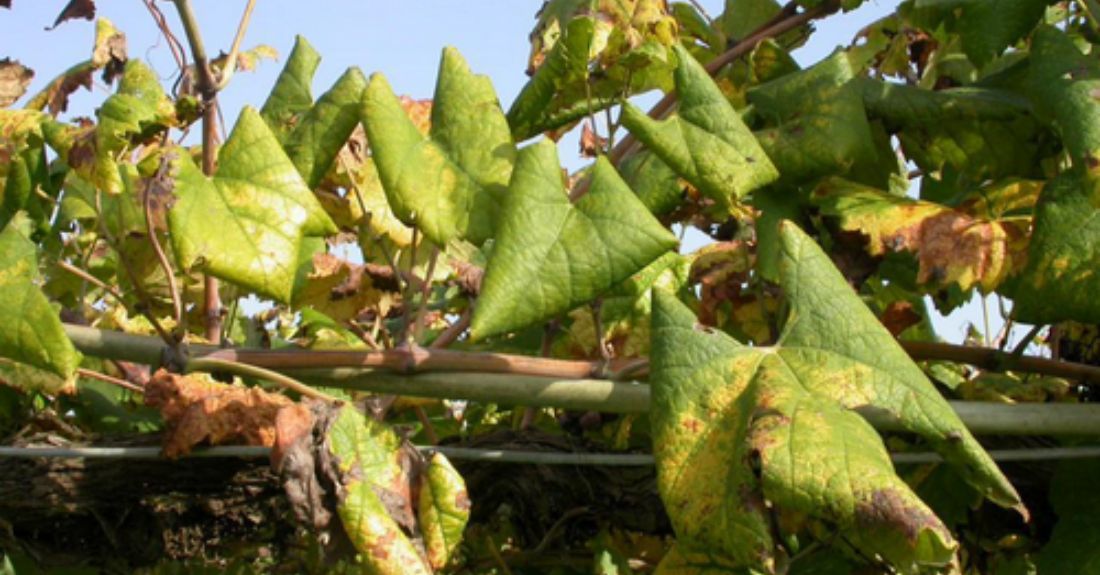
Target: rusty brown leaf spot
(14, 79)
(899, 316)
(197, 411)
(887, 510)
(591, 142)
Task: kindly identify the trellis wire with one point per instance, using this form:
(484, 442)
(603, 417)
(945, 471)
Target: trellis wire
(505, 456)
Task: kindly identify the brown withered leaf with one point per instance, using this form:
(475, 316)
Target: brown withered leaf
(14, 79)
(55, 96)
(591, 142)
(420, 112)
(338, 288)
(197, 411)
(899, 316)
(75, 9)
(5, 4)
(294, 457)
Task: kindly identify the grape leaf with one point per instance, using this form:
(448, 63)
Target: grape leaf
(550, 255)
(320, 133)
(14, 79)
(33, 333)
(987, 27)
(291, 95)
(735, 425)
(1064, 84)
(824, 135)
(23, 165)
(369, 457)
(245, 225)
(588, 54)
(452, 183)
(980, 132)
(444, 509)
(707, 144)
(1059, 280)
(1074, 546)
(952, 245)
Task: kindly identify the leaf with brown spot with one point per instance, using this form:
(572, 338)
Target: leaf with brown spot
(75, 9)
(337, 288)
(976, 247)
(375, 500)
(735, 426)
(197, 410)
(55, 96)
(444, 510)
(109, 53)
(14, 79)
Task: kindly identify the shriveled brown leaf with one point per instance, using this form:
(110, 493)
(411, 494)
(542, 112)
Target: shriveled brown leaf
(54, 98)
(14, 79)
(294, 457)
(197, 411)
(899, 316)
(75, 9)
(591, 142)
(5, 4)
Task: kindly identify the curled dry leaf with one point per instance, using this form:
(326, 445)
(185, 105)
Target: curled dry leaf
(75, 9)
(14, 78)
(197, 411)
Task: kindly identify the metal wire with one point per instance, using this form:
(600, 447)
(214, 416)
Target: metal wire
(504, 456)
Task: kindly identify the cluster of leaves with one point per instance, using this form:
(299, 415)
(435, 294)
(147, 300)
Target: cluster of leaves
(761, 351)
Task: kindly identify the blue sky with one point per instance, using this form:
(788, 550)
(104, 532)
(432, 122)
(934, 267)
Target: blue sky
(401, 39)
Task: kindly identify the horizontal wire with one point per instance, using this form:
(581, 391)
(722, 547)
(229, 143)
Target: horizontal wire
(505, 456)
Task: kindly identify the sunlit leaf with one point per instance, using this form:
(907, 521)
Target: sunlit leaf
(550, 255)
(586, 55)
(735, 426)
(245, 224)
(452, 183)
(952, 245)
(291, 95)
(320, 133)
(444, 509)
(33, 333)
(369, 456)
(707, 144)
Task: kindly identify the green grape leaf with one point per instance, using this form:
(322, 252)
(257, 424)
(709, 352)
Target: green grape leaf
(735, 425)
(291, 97)
(33, 333)
(1074, 546)
(246, 224)
(138, 109)
(23, 165)
(1064, 83)
(653, 181)
(987, 27)
(375, 488)
(588, 54)
(26, 378)
(444, 509)
(1059, 280)
(824, 135)
(953, 245)
(980, 133)
(741, 17)
(550, 255)
(707, 144)
(452, 183)
(322, 131)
